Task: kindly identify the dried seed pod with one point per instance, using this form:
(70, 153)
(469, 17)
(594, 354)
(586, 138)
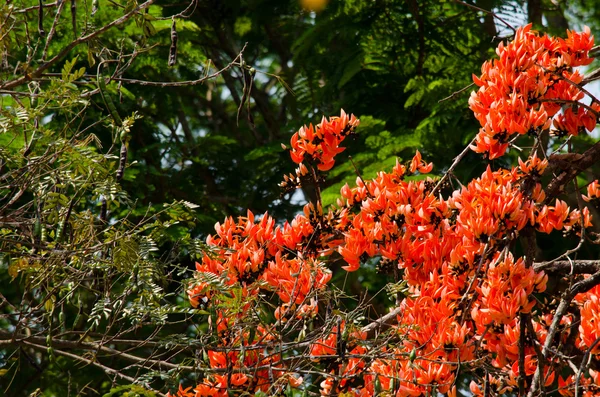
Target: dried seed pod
(173, 49)
(74, 17)
(103, 210)
(41, 30)
(122, 161)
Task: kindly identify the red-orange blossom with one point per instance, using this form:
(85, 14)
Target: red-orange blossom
(467, 290)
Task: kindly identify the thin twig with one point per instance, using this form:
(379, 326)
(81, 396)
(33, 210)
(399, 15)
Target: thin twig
(107, 370)
(584, 363)
(357, 172)
(574, 84)
(581, 286)
(570, 102)
(456, 93)
(34, 8)
(53, 29)
(487, 12)
(457, 160)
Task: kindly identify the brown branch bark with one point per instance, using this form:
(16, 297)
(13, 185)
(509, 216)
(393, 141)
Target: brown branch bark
(587, 159)
(565, 266)
(381, 324)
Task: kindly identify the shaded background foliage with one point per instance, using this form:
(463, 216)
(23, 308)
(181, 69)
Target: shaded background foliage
(361, 56)
(218, 144)
(390, 62)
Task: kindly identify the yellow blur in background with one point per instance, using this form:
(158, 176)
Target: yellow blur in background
(314, 5)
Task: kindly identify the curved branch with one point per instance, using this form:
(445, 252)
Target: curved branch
(147, 363)
(584, 363)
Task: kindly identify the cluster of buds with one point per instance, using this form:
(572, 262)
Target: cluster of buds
(294, 181)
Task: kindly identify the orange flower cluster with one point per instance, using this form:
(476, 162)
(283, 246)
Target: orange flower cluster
(320, 144)
(466, 291)
(251, 256)
(589, 326)
(229, 367)
(340, 341)
(590, 386)
(525, 88)
(259, 255)
(465, 288)
(444, 247)
(440, 244)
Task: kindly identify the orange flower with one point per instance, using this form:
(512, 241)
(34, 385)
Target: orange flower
(593, 191)
(420, 165)
(182, 392)
(533, 165)
(550, 218)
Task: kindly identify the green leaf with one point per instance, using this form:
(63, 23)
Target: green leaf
(242, 26)
(353, 66)
(66, 70)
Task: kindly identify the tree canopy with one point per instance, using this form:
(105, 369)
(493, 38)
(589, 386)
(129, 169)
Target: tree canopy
(129, 128)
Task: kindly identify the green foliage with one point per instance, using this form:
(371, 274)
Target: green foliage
(83, 248)
(129, 391)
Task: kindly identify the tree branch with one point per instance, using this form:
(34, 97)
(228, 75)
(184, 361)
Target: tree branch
(587, 159)
(381, 324)
(566, 266)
